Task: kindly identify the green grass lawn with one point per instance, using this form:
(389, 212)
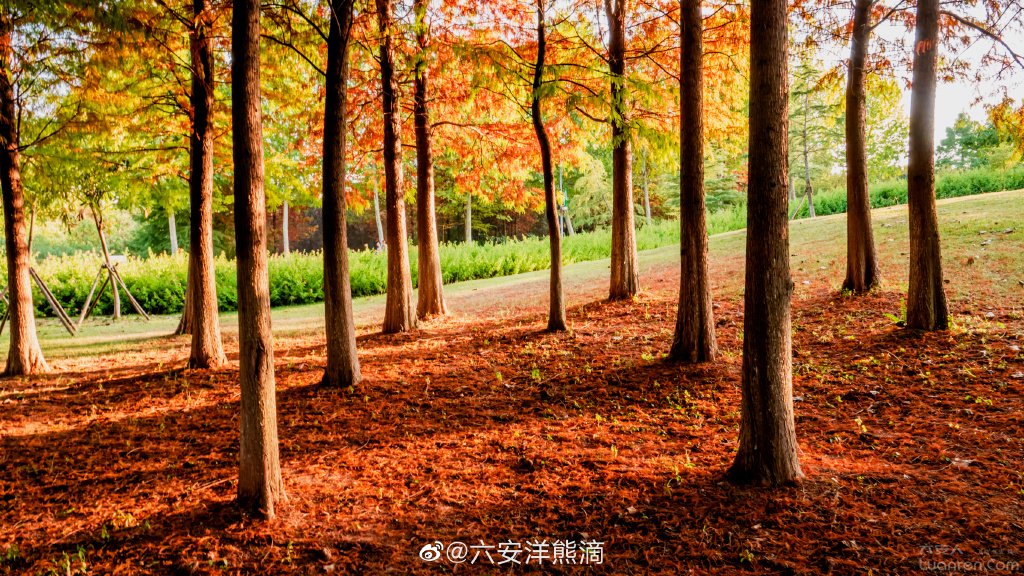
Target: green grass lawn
(974, 229)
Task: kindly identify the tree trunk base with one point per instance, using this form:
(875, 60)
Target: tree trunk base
(33, 364)
(750, 472)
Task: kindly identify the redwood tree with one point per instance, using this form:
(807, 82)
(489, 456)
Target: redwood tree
(625, 275)
(431, 292)
(768, 449)
(926, 300)
(861, 265)
(342, 362)
(694, 339)
(24, 354)
(556, 310)
(200, 317)
(259, 478)
(399, 315)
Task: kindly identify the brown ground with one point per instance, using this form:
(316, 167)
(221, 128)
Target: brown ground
(493, 430)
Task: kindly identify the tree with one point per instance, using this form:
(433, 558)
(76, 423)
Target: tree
(430, 283)
(967, 144)
(200, 316)
(556, 310)
(861, 263)
(768, 449)
(625, 274)
(694, 339)
(342, 362)
(926, 299)
(259, 479)
(399, 315)
(24, 355)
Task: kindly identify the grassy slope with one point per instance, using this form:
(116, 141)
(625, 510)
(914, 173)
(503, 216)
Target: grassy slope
(818, 252)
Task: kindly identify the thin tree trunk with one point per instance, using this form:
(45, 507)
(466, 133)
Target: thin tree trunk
(259, 479)
(24, 355)
(625, 274)
(172, 228)
(647, 183)
(694, 339)
(556, 311)
(286, 247)
(200, 316)
(399, 312)
(376, 213)
(430, 282)
(768, 448)
(861, 264)
(808, 190)
(469, 219)
(98, 219)
(926, 300)
(342, 360)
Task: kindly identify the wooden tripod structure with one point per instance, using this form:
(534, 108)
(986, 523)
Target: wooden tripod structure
(108, 273)
(58, 310)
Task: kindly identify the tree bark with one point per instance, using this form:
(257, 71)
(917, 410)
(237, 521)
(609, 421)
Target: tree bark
(259, 480)
(430, 282)
(285, 243)
(98, 219)
(172, 228)
(926, 300)
(556, 310)
(24, 355)
(200, 317)
(694, 339)
(768, 448)
(342, 361)
(808, 189)
(625, 274)
(861, 264)
(399, 313)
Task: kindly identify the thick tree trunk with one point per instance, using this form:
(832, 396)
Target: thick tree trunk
(926, 300)
(286, 247)
(399, 313)
(694, 339)
(430, 282)
(259, 480)
(24, 356)
(98, 219)
(861, 265)
(200, 316)
(556, 310)
(469, 219)
(625, 273)
(768, 448)
(342, 361)
(172, 228)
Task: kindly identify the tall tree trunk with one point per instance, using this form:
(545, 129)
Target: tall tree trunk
(431, 290)
(24, 356)
(694, 339)
(286, 247)
(200, 316)
(861, 265)
(556, 310)
(808, 190)
(768, 448)
(647, 182)
(399, 313)
(926, 300)
(172, 228)
(469, 219)
(342, 361)
(259, 479)
(98, 219)
(625, 273)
